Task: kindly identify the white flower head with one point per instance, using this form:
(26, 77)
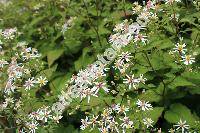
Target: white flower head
(42, 81)
(85, 123)
(32, 126)
(180, 48)
(181, 125)
(148, 122)
(29, 83)
(144, 105)
(188, 59)
(57, 117)
(132, 81)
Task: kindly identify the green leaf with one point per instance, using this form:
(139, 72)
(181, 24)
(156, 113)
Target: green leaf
(151, 96)
(155, 113)
(53, 55)
(47, 72)
(178, 111)
(84, 60)
(180, 81)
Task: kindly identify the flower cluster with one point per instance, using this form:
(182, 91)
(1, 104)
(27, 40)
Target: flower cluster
(8, 34)
(180, 48)
(19, 66)
(116, 119)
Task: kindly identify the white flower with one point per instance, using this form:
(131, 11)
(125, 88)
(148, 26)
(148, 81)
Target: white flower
(148, 122)
(131, 81)
(136, 7)
(171, 130)
(118, 64)
(144, 105)
(106, 115)
(9, 34)
(32, 126)
(122, 109)
(140, 37)
(85, 123)
(93, 121)
(87, 93)
(127, 123)
(188, 59)
(29, 83)
(3, 62)
(34, 115)
(10, 87)
(119, 27)
(181, 125)
(8, 100)
(100, 85)
(44, 114)
(180, 48)
(104, 130)
(141, 79)
(115, 106)
(113, 126)
(42, 81)
(125, 56)
(57, 117)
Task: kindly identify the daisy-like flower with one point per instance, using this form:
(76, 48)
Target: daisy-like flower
(148, 122)
(118, 64)
(144, 105)
(85, 123)
(9, 100)
(119, 27)
(10, 87)
(100, 85)
(34, 115)
(32, 126)
(125, 56)
(113, 126)
(44, 114)
(9, 34)
(180, 48)
(93, 121)
(136, 7)
(122, 109)
(141, 79)
(57, 117)
(104, 130)
(42, 81)
(87, 93)
(140, 37)
(131, 81)
(171, 130)
(181, 125)
(3, 62)
(29, 83)
(188, 59)
(127, 123)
